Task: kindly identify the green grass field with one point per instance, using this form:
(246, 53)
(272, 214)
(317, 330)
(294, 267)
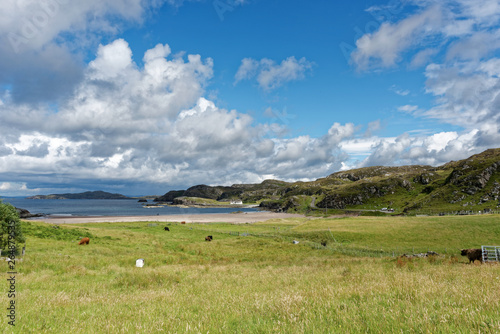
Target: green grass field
(252, 279)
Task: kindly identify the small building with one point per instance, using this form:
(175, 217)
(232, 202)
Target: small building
(237, 202)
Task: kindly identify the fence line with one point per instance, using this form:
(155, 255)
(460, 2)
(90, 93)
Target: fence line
(337, 247)
(456, 212)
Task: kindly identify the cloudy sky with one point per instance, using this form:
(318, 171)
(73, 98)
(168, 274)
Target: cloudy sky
(144, 96)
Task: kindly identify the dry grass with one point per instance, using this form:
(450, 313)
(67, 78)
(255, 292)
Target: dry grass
(240, 284)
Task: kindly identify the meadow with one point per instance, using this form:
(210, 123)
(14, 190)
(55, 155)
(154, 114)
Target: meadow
(344, 276)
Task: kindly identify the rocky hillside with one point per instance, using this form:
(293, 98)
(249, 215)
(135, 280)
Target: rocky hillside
(84, 195)
(245, 192)
(470, 184)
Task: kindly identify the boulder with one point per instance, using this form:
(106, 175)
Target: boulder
(23, 213)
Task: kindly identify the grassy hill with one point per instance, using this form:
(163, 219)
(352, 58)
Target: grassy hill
(459, 186)
(199, 201)
(252, 279)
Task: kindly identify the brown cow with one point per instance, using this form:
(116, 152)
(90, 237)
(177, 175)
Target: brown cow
(84, 241)
(209, 238)
(473, 254)
(183, 222)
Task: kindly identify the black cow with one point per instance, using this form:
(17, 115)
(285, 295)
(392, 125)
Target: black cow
(473, 254)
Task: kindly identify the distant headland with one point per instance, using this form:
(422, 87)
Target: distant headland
(84, 195)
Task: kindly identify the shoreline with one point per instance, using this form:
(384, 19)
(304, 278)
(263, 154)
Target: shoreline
(235, 218)
(201, 206)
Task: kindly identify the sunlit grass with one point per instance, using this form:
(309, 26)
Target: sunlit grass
(257, 281)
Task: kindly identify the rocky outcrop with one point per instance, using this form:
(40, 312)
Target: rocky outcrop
(424, 178)
(23, 213)
(170, 196)
(472, 179)
(182, 201)
(204, 191)
(380, 171)
(282, 205)
(202, 202)
(272, 205)
(349, 176)
(338, 201)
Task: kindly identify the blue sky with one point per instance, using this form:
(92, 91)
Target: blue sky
(144, 96)
(331, 89)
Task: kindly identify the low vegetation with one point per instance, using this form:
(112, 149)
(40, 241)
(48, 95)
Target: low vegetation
(343, 276)
(199, 201)
(11, 234)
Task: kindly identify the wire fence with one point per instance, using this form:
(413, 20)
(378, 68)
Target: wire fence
(338, 247)
(455, 213)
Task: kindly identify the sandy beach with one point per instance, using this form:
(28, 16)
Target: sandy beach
(236, 218)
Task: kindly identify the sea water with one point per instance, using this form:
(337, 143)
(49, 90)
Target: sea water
(107, 207)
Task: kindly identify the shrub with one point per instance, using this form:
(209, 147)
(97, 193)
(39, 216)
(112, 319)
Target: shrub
(56, 232)
(10, 228)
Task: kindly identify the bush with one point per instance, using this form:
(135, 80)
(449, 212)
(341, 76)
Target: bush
(10, 229)
(44, 231)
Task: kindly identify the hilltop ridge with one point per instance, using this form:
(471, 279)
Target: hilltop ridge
(468, 184)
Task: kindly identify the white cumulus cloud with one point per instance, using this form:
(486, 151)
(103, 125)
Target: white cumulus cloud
(270, 75)
(456, 42)
(383, 48)
(151, 124)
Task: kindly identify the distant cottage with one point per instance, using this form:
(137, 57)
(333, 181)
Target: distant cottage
(237, 202)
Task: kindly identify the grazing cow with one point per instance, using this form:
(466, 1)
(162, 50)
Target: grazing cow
(84, 241)
(473, 254)
(166, 228)
(209, 238)
(183, 222)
